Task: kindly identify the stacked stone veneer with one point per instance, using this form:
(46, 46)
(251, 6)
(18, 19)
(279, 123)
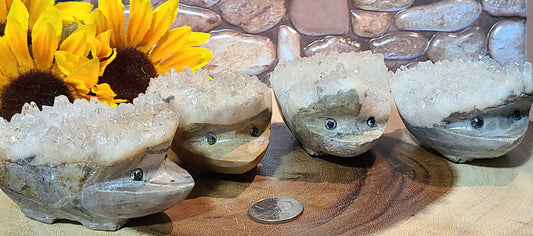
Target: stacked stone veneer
(251, 36)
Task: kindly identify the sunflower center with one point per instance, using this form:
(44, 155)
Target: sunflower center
(40, 87)
(129, 74)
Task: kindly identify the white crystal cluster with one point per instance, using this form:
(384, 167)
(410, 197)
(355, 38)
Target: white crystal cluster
(428, 93)
(303, 81)
(225, 98)
(86, 131)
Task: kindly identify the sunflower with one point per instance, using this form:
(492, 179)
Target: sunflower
(35, 7)
(145, 46)
(38, 65)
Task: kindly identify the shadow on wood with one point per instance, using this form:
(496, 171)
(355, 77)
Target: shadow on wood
(155, 224)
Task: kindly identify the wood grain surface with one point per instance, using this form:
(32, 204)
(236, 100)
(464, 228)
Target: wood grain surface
(396, 188)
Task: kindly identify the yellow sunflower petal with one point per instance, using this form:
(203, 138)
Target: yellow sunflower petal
(16, 32)
(90, 29)
(44, 45)
(178, 63)
(103, 90)
(98, 19)
(107, 61)
(113, 10)
(197, 39)
(193, 58)
(72, 11)
(91, 42)
(205, 57)
(52, 16)
(103, 49)
(105, 94)
(79, 89)
(66, 62)
(87, 72)
(3, 82)
(8, 60)
(139, 22)
(162, 18)
(36, 7)
(76, 43)
(3, 11)
(170, 43)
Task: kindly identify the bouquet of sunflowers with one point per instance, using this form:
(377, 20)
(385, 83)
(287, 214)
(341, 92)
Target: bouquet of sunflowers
(74, 50)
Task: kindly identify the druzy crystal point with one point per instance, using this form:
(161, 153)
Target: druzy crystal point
(224, 120)
(334, 104)
(465, 109)
(91, 163)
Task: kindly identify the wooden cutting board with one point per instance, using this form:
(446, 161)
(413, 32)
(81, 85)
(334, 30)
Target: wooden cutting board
(396, 188)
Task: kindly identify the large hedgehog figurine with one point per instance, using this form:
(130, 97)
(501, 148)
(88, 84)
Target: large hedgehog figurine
(91, 163)
(465, 109)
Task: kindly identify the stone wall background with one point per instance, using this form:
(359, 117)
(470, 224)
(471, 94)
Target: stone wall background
(252, 36)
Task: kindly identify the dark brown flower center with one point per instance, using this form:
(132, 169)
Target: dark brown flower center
(129, 74)
(40, 87)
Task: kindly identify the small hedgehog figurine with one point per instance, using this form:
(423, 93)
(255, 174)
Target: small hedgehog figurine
(224, 119)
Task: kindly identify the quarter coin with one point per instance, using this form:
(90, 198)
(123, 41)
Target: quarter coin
(275, 210)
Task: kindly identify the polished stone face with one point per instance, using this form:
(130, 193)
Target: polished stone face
(487, 133)
(332, 125)
(233, 148)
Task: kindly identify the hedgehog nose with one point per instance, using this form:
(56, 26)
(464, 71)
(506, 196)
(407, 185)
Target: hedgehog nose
(169, 173)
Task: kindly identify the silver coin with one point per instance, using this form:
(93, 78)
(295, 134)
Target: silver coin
(275, 210)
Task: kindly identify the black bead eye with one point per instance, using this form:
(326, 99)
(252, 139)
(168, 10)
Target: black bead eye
(330, 123)
(517, 115)
(476, 122)
(371, 121)
(136, 174)
(254, 131)
(211, 139)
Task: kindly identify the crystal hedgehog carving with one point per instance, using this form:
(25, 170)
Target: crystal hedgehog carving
(92, 163)
(224, 121)
(465, 109)
(336, 104)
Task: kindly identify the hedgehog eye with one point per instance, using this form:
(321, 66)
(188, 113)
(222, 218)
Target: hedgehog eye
(211, 139)
(517, 115)
(330, 123)
(371, 121)
(476, 122)
(136, 174)
(254, 131)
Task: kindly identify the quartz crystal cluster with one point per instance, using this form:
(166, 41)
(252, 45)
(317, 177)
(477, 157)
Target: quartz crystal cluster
(90, 162)
(224, 120)
(95, 132)
(334, 104)
(465, 109)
